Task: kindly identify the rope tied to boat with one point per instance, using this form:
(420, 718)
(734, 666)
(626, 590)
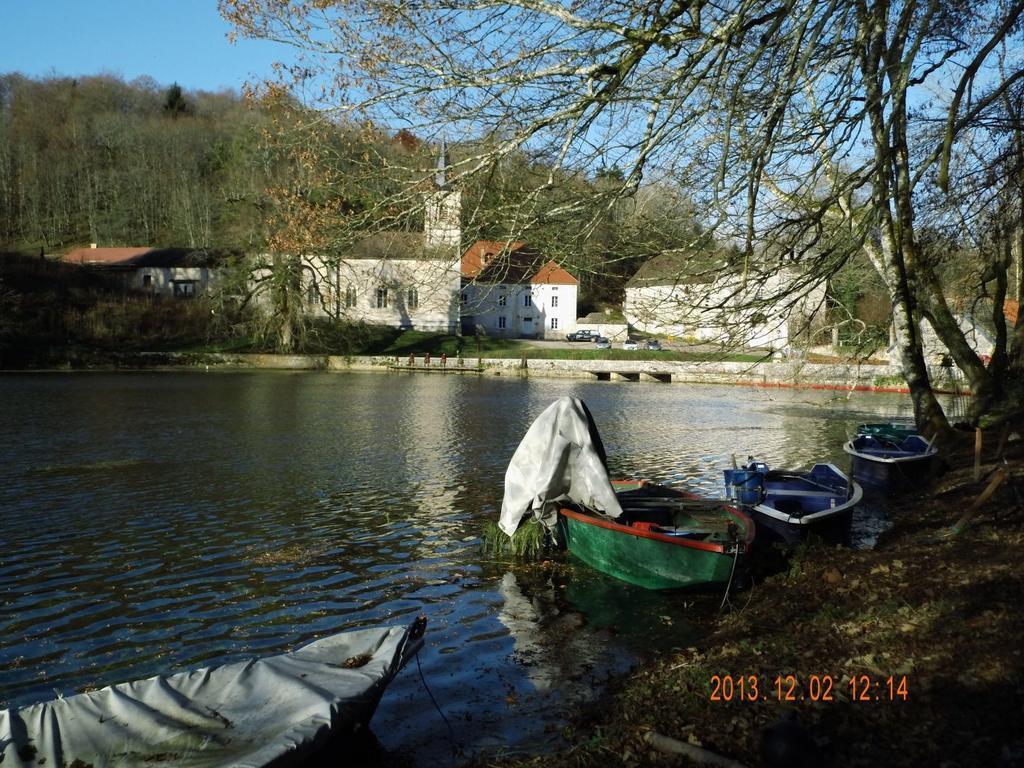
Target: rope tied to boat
(452, 741)
(734, 538)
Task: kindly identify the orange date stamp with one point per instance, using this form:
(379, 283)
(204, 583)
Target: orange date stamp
(815, 688)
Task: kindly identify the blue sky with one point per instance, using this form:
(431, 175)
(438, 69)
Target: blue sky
(183, 41)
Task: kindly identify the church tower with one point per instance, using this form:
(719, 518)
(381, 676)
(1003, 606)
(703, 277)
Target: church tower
(442, 225)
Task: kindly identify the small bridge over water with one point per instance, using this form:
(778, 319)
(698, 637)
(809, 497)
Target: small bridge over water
(611, 375)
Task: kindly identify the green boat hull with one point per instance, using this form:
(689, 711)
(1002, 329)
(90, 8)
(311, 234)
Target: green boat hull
(887, 430)
(652, 563)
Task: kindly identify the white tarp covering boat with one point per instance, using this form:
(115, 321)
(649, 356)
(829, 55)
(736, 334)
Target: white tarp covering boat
(560, 457)
(273, 711)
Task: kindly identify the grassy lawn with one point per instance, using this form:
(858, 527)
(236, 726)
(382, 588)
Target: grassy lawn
(589, 353)
(384, 341)
(421, 342)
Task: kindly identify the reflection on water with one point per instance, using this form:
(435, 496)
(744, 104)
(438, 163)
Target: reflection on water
(155, 522)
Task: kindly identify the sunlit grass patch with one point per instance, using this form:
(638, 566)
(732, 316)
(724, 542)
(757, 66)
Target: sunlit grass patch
(529, 542)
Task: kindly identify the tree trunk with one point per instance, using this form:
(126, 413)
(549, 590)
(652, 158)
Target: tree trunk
(890, 187)
(287, 301)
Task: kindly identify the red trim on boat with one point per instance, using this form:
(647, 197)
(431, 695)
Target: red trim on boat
(745, 519)
(679, 541)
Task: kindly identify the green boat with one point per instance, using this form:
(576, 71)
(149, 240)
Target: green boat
(664, 539)
(890, 430)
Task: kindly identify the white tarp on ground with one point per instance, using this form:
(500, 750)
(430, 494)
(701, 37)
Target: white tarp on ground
(560, 457)
(252, 713)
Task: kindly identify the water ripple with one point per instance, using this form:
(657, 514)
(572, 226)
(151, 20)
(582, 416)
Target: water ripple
(157, 522)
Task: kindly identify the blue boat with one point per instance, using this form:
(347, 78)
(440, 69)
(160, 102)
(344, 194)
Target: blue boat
(891, 463)
(793, 505)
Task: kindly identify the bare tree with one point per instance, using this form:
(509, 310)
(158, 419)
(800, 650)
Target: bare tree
(816, 126)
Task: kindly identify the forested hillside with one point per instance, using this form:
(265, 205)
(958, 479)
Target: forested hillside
(100, 160)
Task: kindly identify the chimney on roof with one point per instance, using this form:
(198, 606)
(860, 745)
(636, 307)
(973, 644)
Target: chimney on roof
(92, 245)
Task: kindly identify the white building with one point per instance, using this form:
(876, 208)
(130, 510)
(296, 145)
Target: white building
(417, 280)
(177, 272)
(509, 290)
(759, 311)
(977, 328)
(390, 278)
(401, 279)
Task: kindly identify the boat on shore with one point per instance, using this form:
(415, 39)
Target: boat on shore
(637, 531)
(664, 539)
(887, 464)
(793, 505)
(280, 710)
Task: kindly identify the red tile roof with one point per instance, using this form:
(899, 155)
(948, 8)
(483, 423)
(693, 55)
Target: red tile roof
(105, 256)
(552, 274)
(495, 261)
(134, 258)
(483, 252)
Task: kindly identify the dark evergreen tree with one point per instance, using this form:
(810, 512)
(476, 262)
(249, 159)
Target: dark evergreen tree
(175, 104)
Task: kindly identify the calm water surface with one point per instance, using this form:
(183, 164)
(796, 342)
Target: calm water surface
(154, 522)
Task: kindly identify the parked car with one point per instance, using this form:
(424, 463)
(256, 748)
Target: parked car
(629, 344)
(602, 343)
(582, 335)
(653, 345)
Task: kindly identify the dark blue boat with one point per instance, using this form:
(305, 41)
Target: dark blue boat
(889, 464)
(792, 505)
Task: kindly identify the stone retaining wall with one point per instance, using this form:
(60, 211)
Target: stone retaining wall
(886, 378)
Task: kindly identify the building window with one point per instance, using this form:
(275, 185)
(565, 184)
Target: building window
(463, 298)
(554, 302)
(382, 298)
(312, 295)
(184, 289)
(527, 300)
(554, 323)
(147, 282)
(350, 297)
(501, 322)
(412, 299)
(501, 300)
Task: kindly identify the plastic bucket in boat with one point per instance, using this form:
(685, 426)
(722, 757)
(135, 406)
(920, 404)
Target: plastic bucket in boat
(748, 486)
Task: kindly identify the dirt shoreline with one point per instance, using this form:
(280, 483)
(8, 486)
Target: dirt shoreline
(927, 625)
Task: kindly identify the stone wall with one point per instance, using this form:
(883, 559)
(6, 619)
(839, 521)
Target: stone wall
(885, 378)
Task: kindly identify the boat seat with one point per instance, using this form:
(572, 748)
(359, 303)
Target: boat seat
(654, 515)
(791, 507)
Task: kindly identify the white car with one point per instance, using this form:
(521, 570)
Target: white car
(629, 344)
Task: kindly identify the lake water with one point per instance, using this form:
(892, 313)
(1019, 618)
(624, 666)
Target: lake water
(155, 522)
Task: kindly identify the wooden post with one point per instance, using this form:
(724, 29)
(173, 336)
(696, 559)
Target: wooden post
(699, 755)
(997, 479)
(977, 454)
